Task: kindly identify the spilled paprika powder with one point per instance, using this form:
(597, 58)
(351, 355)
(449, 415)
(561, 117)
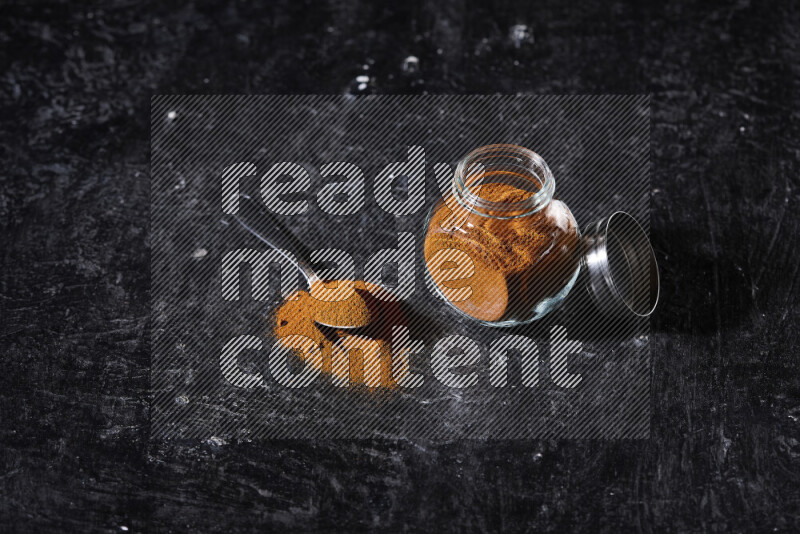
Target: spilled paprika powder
(356, 358)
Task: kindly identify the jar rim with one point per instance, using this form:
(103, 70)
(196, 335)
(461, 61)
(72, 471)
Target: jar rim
(528, 159)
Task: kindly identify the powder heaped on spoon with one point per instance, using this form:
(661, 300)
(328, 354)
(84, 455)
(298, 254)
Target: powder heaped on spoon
(341, 303)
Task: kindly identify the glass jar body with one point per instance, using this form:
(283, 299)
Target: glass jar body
(498, 247)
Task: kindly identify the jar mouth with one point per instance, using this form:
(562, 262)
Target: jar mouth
(508, 164)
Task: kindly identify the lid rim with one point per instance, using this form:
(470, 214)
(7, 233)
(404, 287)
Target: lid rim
(602, 288)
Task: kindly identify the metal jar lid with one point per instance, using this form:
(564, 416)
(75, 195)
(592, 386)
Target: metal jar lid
(621, 274)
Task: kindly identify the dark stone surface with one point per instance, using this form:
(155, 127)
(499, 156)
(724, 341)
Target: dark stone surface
(599, 152)
(74, 447)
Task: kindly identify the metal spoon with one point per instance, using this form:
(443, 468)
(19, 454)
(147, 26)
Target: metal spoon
(253, 219)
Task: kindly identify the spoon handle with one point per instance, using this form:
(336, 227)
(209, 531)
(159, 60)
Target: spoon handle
(259, 222)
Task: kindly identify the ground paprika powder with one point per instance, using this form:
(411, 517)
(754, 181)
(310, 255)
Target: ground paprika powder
(359, 358)
(521, 243)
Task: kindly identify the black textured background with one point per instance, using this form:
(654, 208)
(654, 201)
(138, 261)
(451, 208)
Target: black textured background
(596, 146)
(75, 88)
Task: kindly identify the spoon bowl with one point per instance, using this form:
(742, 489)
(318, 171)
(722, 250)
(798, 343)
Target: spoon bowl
(353, 312)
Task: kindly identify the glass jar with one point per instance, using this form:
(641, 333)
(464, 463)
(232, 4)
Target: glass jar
(499, 247)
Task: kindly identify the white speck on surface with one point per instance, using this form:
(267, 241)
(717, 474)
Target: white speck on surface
(199, 254)
(520, 35)
(215, 441)
(410, 65)
(172, 115)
